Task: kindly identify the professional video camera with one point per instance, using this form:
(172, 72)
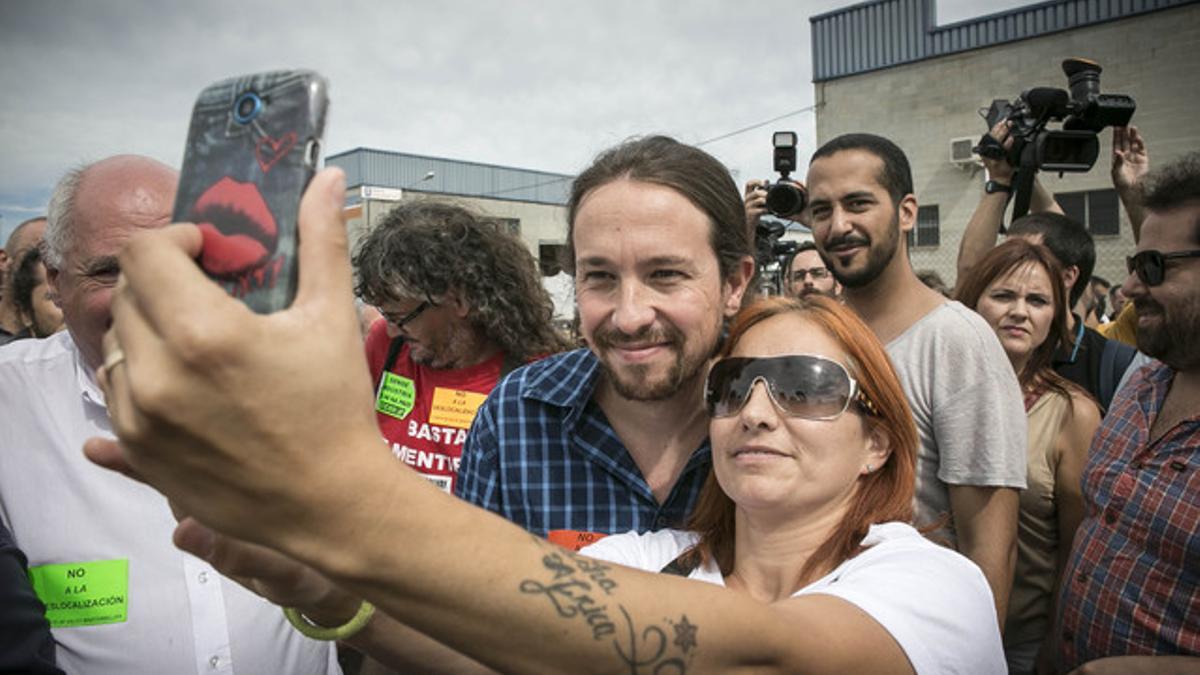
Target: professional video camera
(784, 198)
(770, 254)
(1083, 112)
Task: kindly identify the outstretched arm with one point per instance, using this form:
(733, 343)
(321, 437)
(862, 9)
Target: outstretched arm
(980, 235)
(756, 202)
(1130, 163)
(288, 583)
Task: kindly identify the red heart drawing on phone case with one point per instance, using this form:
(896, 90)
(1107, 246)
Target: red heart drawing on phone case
(270, 150)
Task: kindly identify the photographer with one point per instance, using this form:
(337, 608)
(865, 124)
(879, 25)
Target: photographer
(1089, 360)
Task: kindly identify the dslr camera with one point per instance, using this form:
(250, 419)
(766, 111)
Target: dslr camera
(785, 199)
(1083, 111)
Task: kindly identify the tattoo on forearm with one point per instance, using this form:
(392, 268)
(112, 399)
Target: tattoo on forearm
(578, 587)
(654, 639)
(571, 594)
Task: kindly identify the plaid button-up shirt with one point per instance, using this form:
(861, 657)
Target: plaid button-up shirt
(542, 454)
(1132, 585)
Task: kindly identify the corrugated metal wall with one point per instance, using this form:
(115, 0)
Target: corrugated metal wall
(875, 35)
(365, 166)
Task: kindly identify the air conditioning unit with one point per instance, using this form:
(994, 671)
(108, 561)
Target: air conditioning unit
(961, 154)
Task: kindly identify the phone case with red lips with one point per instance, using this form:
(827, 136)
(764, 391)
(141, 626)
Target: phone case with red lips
(252, 148)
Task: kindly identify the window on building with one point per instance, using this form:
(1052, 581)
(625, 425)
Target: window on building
(1098, 210)
(928, 229)
(551, 257)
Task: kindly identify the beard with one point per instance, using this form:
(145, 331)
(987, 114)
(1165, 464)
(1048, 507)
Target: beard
(632, 381)
(878, 256)
(806, 291)
(450, 351)
(1172, 338)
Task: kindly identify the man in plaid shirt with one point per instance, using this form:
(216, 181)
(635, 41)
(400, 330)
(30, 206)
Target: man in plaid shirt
(1130, 597)
(613, 437)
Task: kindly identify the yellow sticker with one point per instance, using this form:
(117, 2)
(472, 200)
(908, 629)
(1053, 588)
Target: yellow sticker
(454, 407)
(83, 593)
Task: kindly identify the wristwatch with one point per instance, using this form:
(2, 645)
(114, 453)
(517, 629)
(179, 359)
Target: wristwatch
(992, 187)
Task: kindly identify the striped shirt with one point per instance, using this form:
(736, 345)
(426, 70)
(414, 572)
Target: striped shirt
(542, 454)
(1132, 586)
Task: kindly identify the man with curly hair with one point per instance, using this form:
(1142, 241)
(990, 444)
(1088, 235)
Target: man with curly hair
(463, 305)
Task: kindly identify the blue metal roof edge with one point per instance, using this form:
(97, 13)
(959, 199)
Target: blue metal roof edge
(958, 25)
(397, 153)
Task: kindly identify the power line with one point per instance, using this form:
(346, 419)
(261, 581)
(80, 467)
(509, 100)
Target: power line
(752, 127)
(529, 187)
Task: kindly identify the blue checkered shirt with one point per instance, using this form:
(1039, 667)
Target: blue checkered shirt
(542, 454)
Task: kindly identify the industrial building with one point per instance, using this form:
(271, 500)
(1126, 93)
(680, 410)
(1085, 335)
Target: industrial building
(887, 67)
(529, 203)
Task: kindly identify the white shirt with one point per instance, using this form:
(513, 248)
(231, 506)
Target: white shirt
(561, 288)
(935, 603)
(181, 615)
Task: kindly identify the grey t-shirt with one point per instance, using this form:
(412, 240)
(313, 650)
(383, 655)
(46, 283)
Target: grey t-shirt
(967, 406)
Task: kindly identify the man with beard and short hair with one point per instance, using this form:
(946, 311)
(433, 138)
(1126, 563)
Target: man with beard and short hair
(964, 395)
(24, 237)
(614, 437)
(1130, 594)
(807, 273)
(121, 597)
(450, 331)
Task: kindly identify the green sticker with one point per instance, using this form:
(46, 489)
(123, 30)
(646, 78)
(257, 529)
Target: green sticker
(83, 593)
(396, 396)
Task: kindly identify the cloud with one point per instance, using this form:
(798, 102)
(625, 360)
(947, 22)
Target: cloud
(527, 83)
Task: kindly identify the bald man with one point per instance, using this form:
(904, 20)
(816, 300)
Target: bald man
(27, 235)
(120, 597)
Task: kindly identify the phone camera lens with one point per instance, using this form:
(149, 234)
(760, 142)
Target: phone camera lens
(247, 107)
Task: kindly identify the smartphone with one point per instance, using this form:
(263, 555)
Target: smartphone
(253, 145)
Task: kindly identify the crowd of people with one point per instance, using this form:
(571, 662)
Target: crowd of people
(881, 478)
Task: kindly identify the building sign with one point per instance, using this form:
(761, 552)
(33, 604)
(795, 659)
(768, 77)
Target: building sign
(381, 194)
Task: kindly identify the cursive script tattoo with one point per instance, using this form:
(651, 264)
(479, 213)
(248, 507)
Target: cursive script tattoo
(577, 586)
(647, 650)
(571, 595)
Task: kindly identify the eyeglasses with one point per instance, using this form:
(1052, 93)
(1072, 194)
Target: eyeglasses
(815, 272)
(1151, 266)
(407, 318)
(802, 385)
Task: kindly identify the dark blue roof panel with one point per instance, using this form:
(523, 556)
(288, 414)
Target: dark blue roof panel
(883, 33)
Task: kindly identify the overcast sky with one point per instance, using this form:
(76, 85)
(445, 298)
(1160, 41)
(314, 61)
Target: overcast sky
(540, 85)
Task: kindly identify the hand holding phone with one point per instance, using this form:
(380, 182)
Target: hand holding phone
(253, 145)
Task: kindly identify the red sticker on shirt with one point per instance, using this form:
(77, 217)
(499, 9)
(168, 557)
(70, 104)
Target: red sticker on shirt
(574, 539)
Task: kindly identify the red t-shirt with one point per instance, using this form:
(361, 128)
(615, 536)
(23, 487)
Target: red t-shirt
(424, 413)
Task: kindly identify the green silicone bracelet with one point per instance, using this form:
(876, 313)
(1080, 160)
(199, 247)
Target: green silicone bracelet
(365, 611)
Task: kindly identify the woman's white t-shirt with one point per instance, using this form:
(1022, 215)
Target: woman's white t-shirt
(933, 601)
